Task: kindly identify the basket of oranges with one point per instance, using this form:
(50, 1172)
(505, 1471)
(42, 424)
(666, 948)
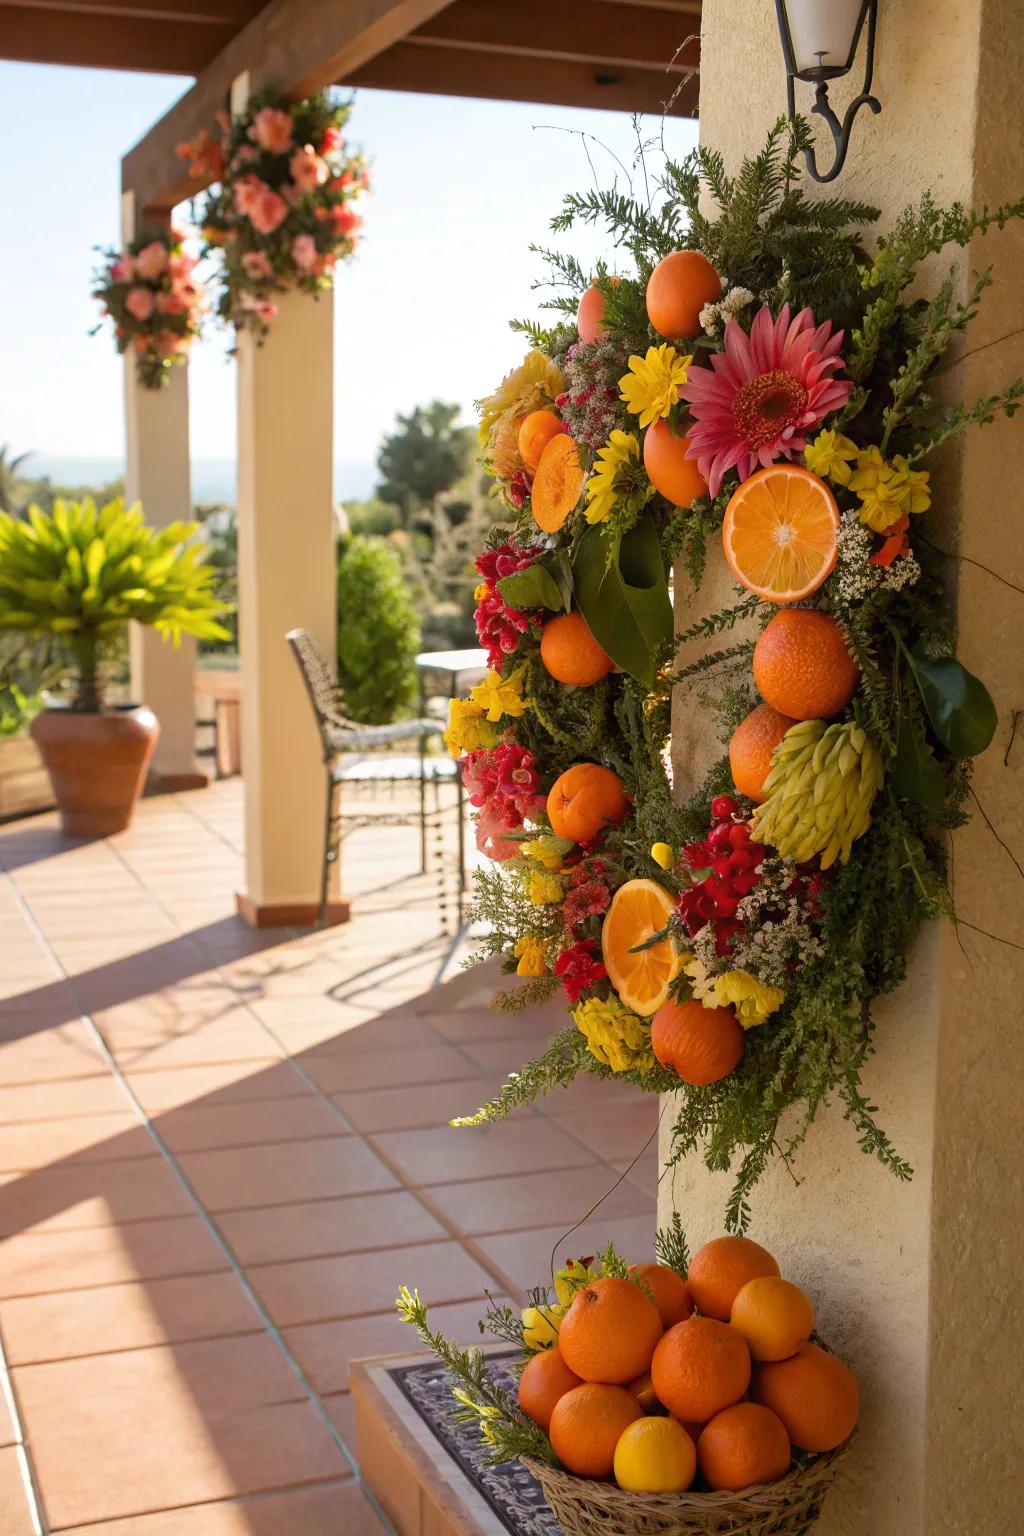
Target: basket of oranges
(667, 1399)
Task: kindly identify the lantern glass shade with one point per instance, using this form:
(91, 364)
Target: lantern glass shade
(824, 35)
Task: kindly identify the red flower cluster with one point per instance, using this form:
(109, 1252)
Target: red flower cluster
(503, 786)
(588, 895)
(498, 626)
(579, 970)
(728, 864)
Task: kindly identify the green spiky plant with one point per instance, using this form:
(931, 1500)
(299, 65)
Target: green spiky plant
(81, 573)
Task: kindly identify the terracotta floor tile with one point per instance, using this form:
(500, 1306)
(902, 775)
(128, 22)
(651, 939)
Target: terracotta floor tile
(341, 1410)
(620, 1134)
(358, 1284)
(236, 1036)
(330, 1509)
(426, 1104)
(488, 1024)
(325, 1350)
(242, 1082)
(53, 1101)
(90, 1138)
(91, 1194)
(44, 1054)
(387, 1069)
(15, 1514)
(394, 1031)
(524, 1258)
(500, 1057)
(37, 1263)
(354, 1224)
(200, 1127)
(68, 1324)
(445, 1155)
(514, 1204)
(297, 1170)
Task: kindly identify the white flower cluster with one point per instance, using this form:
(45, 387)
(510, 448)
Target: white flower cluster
(714, 317)
(771, 948)
(855, 576)
(904, 572)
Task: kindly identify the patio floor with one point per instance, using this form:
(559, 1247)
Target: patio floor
(221, 1153)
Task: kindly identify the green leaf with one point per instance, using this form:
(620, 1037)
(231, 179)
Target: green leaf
(626, 604)
(533, 588)
(958, 705)
(914, 772)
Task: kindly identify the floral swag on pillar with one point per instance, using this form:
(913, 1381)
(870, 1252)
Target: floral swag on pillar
(281, 212)
(150, 293)
(756, 387)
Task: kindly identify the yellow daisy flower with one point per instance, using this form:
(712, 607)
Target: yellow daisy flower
(469, 730)
(651, 387)
(871, 467)
(831, 456)
(536, 381)
(532, 956)
(621, 448)
(615, 1035)
(910, 486)
(543, 889)
(498, 696)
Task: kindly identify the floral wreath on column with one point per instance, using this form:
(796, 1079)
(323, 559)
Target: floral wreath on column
(281, 212)
(149, 292)
(758, 388)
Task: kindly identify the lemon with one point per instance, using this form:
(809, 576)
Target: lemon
(655, 1456)
(540, 1326)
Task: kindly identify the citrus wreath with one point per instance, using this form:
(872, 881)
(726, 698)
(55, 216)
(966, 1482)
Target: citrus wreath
(763, 380)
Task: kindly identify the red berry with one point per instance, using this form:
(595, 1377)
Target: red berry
(718, 839)
(722, 866)
(743, 882)
(742, 858)
(723, 806)
(739, 834)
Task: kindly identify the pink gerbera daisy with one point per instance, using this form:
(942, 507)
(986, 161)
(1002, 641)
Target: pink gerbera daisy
(763, 393)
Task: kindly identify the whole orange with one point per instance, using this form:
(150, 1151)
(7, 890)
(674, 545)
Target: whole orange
(677, 290)
(671, 1296)
(751, 747)
(590, 315)
(584, 800)
(700, 1367)
(720, 1270)
(586, 1424)
(535, 432)
(668, 469)
(743, 1445)
(545, 1379)
(571, 654)
(609, 1332)
(643, 1390)
(802, 666)
(774, 1316)
(814, 1394)
(702, 1044)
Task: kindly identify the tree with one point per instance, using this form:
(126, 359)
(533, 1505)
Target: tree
(10, 479)
(424, 456)
(378, 631)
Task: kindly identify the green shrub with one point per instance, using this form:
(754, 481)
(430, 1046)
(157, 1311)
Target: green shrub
(378, 631)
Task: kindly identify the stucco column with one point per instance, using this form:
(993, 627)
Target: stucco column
(912, 1282)
(157, 473)
(286, 580)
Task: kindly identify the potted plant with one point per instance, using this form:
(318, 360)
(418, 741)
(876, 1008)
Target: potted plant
(81, 574)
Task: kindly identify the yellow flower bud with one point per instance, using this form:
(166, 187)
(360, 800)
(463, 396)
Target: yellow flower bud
(663, 855)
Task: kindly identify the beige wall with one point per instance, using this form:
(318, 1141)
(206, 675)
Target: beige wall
(909, 1279)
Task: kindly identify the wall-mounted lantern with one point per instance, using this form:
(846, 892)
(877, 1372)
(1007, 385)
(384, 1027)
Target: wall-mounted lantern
(819, 43)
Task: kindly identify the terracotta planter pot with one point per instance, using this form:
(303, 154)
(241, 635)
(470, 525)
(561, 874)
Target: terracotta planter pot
(97, 764)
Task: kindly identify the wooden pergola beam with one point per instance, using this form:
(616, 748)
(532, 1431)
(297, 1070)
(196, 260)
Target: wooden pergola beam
(598, 31)
(302, 45)
(110, 41)
(409, 66)
(233, 13)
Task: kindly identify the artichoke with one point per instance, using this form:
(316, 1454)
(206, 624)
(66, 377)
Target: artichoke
(819, 791)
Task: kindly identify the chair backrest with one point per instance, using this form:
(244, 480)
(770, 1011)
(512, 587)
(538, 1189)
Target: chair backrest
(320, 686)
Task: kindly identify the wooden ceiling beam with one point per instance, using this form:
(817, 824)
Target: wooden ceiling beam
(599, 31)
(58, 36)
(233, 13)
(302, 45)
(469, 72)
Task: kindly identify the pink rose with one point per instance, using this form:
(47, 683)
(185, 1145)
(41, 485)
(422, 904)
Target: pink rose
(268, 212)
(123, 270)
(247, 193)
(139, 303)
(151, 261)
(304, 252)
(307, 168)
(170, 304)
(344, 220)
(272, 130)
(257, 266)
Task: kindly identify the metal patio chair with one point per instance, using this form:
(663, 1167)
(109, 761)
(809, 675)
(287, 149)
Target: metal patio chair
(352, 756)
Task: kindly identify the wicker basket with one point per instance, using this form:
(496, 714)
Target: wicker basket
(584, 1507)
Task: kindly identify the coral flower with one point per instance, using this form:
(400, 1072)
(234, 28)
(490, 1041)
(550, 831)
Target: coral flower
(272, 130)
(763, 393)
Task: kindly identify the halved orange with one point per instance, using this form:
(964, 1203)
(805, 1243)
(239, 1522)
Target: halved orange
(639, 910)
(781, 533)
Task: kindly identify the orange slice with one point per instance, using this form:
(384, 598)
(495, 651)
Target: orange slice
(781, 533)
(639, 910)
(557, 484)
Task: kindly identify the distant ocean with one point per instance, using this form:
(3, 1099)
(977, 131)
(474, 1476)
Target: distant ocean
(212, 479)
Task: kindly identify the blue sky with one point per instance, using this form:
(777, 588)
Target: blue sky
(461, 188)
